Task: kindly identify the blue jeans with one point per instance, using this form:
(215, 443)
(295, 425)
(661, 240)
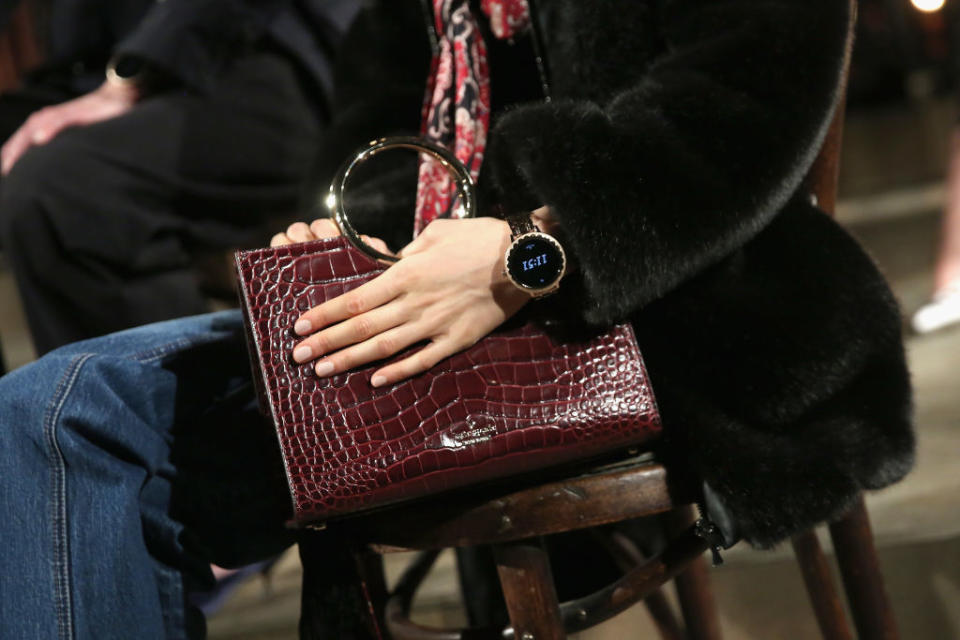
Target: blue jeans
(127, 464)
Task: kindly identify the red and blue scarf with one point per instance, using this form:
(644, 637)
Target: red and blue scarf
(456, 112)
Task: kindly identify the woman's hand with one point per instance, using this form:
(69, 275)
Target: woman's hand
(108, 101)
(302, 232)
(317, 230)
(449, 288)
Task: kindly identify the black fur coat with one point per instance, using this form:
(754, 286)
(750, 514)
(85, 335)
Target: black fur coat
(673, 154)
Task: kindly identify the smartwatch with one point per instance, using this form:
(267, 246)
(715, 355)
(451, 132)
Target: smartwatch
(535, 262)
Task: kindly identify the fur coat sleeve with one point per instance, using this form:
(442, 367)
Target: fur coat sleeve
(773, 342)
(690, 153)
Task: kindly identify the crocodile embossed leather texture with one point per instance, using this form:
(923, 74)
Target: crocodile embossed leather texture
(516, 401)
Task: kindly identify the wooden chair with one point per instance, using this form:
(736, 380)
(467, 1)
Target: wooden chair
(513, 522)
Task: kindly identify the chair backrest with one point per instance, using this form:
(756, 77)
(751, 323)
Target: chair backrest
(824, 174)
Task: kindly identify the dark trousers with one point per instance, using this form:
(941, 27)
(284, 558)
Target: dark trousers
(102, 226)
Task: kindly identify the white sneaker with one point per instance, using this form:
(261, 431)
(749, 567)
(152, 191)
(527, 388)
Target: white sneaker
(940, 312)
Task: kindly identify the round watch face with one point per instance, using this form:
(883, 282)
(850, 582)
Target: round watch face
(535, 261)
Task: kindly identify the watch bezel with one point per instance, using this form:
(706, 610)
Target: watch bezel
(535, 291)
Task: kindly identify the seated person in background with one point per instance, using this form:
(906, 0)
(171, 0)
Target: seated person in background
(199, 139)
(77, 37)
(671, 161)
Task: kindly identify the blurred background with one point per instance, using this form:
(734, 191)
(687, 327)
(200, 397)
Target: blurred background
(901, 120)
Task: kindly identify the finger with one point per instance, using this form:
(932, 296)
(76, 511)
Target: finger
(416, 363)
(300, 232)
(324, 228)
(377, 244)
(14, 148)
(371, 295)
(378, 348)
(353, 331)
(38, 129)
(280, 240)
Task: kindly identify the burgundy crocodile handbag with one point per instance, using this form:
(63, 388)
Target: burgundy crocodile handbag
(517, 401)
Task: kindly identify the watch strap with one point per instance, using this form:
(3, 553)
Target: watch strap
(520, 224)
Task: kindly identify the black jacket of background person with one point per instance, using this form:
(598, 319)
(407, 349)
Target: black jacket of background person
(673, 154)
(191, 39)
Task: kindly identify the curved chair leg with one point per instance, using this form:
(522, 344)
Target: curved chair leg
(531, 597)
(821, 588)
(663, 618)
(627, 556)
(863, 582)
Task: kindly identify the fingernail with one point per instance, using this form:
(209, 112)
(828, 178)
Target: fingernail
(302, 354)
(302, 326)
(324, 368)
(378, 381)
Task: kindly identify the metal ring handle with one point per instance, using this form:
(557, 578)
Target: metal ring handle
(334, 201)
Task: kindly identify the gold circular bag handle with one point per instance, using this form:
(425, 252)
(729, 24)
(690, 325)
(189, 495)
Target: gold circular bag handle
(466, 187)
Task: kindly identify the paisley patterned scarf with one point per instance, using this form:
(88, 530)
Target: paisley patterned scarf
(456, 111)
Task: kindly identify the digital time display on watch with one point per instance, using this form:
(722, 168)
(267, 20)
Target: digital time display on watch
(535, 262)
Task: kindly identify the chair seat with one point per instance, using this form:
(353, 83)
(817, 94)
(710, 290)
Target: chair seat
(633, 488)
